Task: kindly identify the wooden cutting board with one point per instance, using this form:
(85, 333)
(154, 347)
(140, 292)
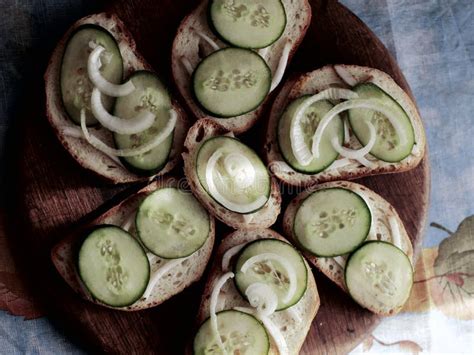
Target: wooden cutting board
(52, 195)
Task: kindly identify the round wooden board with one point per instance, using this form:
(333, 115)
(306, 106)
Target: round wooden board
(54, 194)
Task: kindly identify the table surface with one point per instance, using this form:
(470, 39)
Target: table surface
(433, 42)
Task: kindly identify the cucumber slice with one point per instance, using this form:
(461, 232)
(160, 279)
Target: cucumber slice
(76, 88)
(172, 224)
(310, 122)
(150, 94)
(113, 266)
(379, 276)
(387, 145)
(248, 23)
(332, 222)
(225, 183)
(271, 272)
(231, 82)
(241, 333)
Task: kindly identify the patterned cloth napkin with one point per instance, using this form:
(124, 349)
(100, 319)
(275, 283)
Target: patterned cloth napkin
(433, 41)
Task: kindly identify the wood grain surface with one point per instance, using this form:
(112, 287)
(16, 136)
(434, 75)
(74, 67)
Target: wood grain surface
(52, 195)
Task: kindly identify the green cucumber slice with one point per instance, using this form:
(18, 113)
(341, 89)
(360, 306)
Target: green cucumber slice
(172, 224)
(225, 183)
(248, 23)
(271, 272)
(150, 94)
(241, 333)
(113, 266)
(231, 82)
(76, 88)
(310, 122)
(332, 222)
(379, 276)
(387, 145)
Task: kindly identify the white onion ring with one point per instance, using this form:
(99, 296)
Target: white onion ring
(213, 304)
(275, 333)
(340, 261)
(262, 297)
(158, 274)
(105, 86)
(280, 70)
(137, 124)
(339, 163)
(187, 65)
(236, 207)
(208, 39)
(301, 152)
(229, 254)
(356, 153)
(130, 152)
(371, 104)
(345, 75)
(347, 137)
(289, 269)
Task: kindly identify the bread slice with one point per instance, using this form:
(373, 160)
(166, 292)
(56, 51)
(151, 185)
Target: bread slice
(85, 154)
(381, 211)
(263, 218)
(186, 45)
(294, 332)
(316, 81)
(64, 254)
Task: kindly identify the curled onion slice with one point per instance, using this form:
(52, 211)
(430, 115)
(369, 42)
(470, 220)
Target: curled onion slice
(240, 168)
(345, 75)
(208, 39)
(236, 207)
(229, 254)
(301, 151)
(339, 163)
(187, 65)
(347, 136)
(282, 63)
(340, 261)
(275, 333)
(71, 131)
(129, 221)
(289, 269)
(263, 52)
(158, 274)
(366, 162)
(139, 123)
(213, 304)
(356, 153)
(371, 104)
(262, 297)
(105, 86)
(396, 238)
(130, 152)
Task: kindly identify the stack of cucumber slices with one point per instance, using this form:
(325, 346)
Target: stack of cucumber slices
(235, 80)
(272, 276)
(233, 174)
(143, 119)
(337, 223)
(115, 262)
(312, 130)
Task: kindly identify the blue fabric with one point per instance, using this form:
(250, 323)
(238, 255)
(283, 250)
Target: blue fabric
(433, 41)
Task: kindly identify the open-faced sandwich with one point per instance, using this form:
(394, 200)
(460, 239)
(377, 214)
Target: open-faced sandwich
(260, 297)
(229, 178)
(357, 239)
(342, 122)
(228, 55)
(141, 252)
(122, 130)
